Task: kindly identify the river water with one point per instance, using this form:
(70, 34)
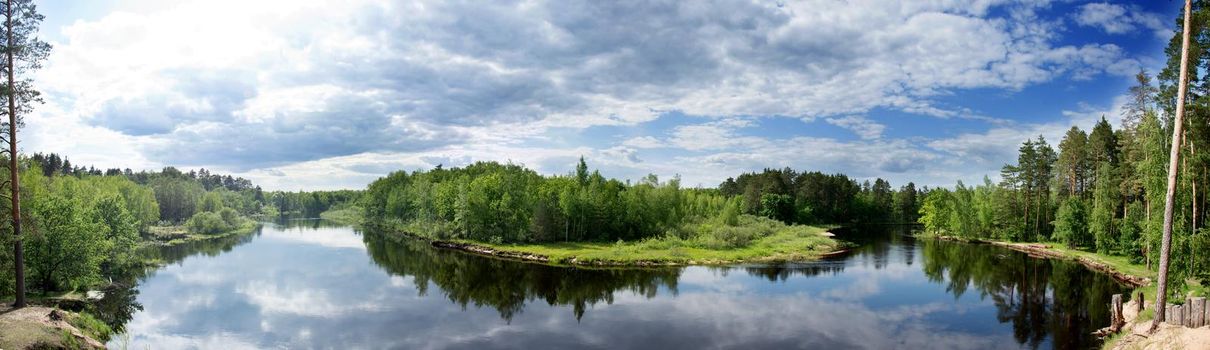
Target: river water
(310, 284)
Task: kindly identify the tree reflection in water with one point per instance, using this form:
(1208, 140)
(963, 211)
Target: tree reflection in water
(973, 290)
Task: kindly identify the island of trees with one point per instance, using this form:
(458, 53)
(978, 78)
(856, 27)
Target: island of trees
(508, 207)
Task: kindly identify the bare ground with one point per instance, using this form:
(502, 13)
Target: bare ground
(26, 327)
(1167, 337)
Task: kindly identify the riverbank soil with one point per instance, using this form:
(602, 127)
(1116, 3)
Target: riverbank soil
(39, 327)
(1168, 337)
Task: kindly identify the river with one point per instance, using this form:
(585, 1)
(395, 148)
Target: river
(311, 284)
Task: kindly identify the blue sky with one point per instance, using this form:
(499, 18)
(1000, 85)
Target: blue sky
(317, 94)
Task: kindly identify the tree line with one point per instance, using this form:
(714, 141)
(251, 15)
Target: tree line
(495, 202)
(82, 226)
(818, 198)
(1100, 191)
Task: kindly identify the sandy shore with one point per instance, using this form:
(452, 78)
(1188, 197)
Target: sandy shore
(1167, 337)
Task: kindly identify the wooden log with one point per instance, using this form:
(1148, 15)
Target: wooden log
(1169, 314)
(1116, 319)
(1197, 309)
(1178, 315)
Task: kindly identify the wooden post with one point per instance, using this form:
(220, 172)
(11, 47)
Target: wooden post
(1178, 315)
(1140, 303)
(1198, 309)
(1116, 320)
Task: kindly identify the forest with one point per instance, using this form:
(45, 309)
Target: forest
(1100, 191)
(85, 225)
(507, 203)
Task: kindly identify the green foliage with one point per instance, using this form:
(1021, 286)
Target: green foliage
(121, 230)
(508, 203)
(211, 202)
(83, 227)
(1107, 195)
(230, 217)
(936, 211)
(91, 326)
(307, 204)
(207, 223)
(814, 197)
(1071, 224)
(1130, 237)
(64, 249)
(178, 197)
(777, 206)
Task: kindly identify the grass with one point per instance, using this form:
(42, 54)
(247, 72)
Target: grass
(350, 215)
(91, 326)
(782, 243)
(1120, 263)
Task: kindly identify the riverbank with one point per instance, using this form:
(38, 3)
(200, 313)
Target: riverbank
(349, 215)
(40, 327)
(174, 235)
(1134, 335)
(1118, 267)
(790, 243)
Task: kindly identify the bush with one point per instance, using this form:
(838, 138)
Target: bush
(748, 229)
(230, 217)
(207, 223)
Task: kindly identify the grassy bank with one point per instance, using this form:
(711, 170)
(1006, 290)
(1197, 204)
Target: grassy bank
(173, 235)
(349, 215)
(752, 240)
(1118, 267)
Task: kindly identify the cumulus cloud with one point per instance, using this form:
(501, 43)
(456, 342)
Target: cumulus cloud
(1118, 19)
(283, 86)
(861, 126)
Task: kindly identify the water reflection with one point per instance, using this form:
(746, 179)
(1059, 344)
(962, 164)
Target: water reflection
(307, 284)
(508, 286)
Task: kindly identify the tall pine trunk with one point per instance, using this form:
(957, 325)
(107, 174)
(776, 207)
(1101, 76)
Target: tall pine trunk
(14, 180)
(1174, 154)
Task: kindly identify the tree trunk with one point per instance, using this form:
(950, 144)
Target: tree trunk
(1174, 155)
(14, 179)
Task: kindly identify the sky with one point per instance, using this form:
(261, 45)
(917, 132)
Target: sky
(318, 94)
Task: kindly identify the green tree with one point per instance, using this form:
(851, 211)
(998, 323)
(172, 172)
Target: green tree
(23, 53)
(65, 250)
(178, 198)
(1106, 197)
(121, 232)
(936, 211)
(1071, 224)
(1073, 162)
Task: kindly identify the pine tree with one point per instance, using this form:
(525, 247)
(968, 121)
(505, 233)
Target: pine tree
(23, 53)
(1178, 123)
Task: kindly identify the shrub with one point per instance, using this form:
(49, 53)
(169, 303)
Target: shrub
(230, 217)
(207, 223)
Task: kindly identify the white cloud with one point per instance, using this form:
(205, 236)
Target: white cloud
(335, 93)
(712, 136)
(861, 126)
(643, 142)
(1118, 19)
